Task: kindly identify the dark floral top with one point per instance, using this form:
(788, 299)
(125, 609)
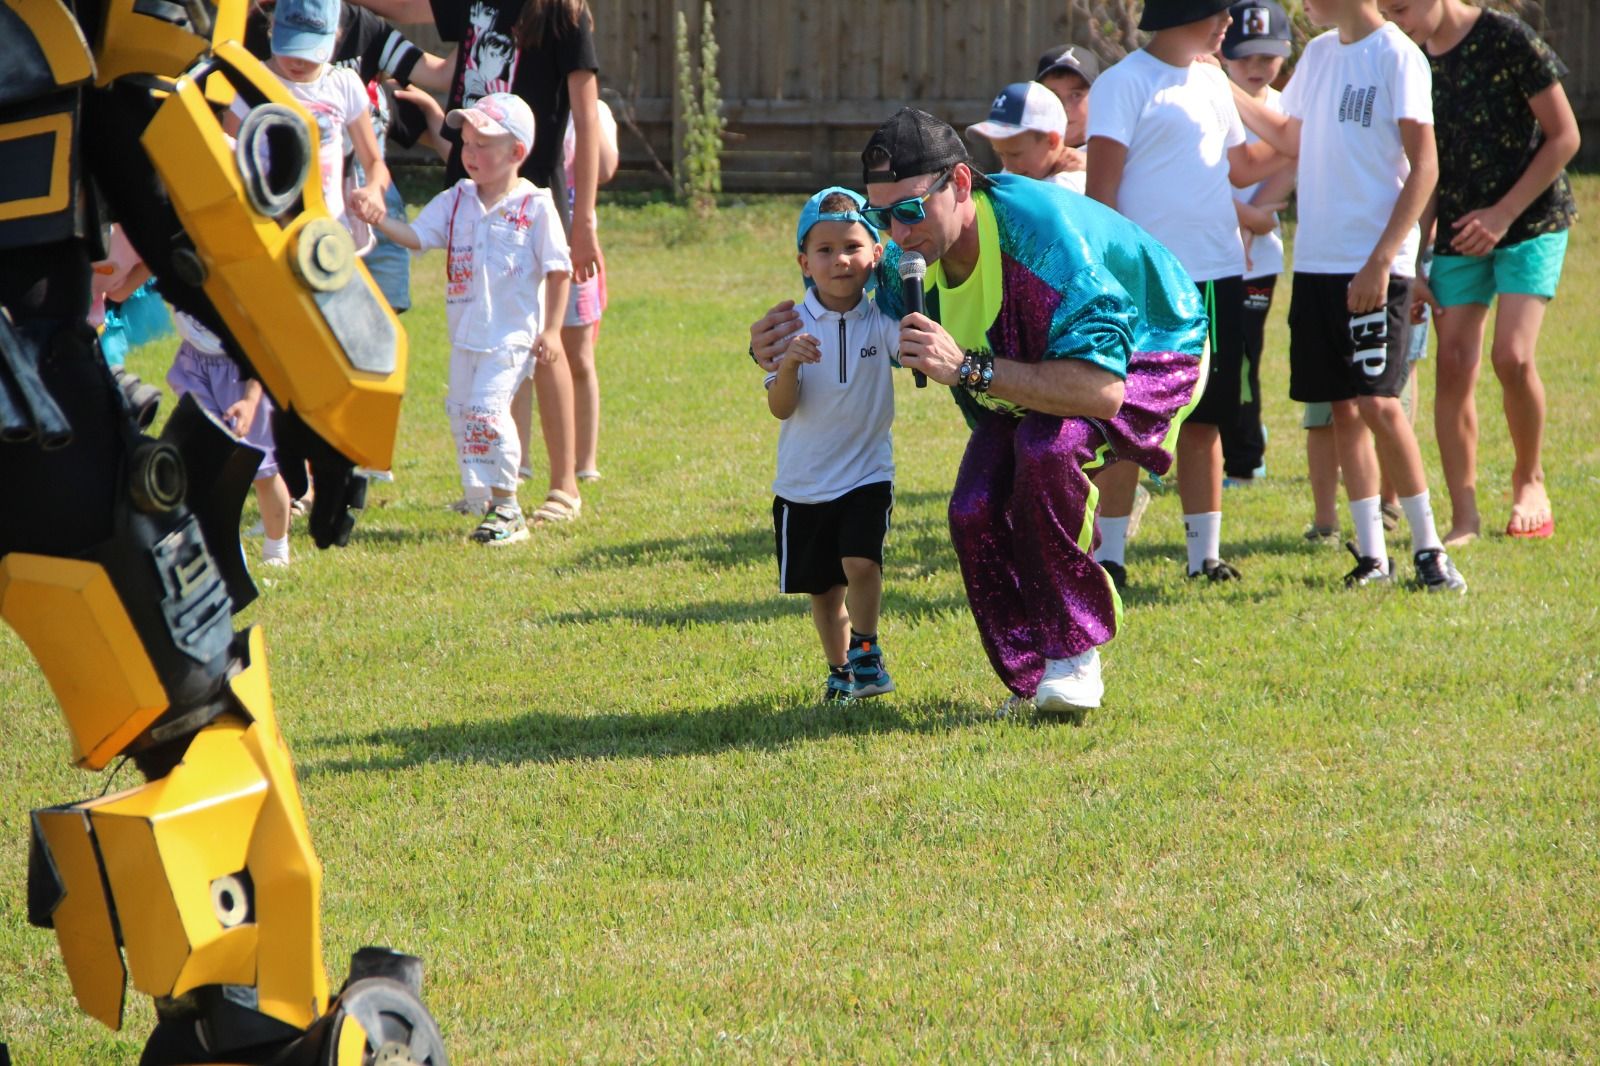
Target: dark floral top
(1487, 133)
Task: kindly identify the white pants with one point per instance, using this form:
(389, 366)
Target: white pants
(479, 405)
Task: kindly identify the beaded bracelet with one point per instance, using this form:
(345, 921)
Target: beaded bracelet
(977, 371)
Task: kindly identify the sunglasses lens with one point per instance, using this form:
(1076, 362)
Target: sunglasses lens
(909, 211)
(877, 217)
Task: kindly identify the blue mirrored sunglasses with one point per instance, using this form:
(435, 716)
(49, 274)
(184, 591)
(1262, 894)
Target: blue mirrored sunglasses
(908, 211)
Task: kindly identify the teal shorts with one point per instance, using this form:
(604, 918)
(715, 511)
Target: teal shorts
(1531, 267)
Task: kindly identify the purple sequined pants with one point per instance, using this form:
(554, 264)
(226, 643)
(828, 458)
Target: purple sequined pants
(1021, 503)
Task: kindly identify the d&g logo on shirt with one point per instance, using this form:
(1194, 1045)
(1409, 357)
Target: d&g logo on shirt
(1355, 105)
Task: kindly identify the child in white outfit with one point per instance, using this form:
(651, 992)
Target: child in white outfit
(506, 272)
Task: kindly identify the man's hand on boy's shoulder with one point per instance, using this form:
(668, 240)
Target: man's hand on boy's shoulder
(770, 334)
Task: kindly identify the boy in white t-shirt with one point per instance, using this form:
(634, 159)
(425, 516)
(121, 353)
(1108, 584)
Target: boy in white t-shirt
(1359, 115)
(1027, 127)
(1165, 149)
(506, 272)
(833, 493)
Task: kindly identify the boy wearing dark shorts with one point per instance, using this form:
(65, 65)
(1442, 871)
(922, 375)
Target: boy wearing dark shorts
(1359, 114)
(833, 493)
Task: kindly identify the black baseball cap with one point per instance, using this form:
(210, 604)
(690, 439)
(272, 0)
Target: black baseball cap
(1073, 57)
(1260, 28)
(914, 142)
(1165, 14)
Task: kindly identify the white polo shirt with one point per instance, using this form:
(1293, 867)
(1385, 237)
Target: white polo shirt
(838, 437)
(495, 261)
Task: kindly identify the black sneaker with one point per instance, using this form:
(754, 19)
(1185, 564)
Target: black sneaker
(1118, 574)
(1216, 570)
(1368, 571)
(840, 687)
(1436, 573)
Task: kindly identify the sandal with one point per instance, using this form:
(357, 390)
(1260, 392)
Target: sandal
(557, 507)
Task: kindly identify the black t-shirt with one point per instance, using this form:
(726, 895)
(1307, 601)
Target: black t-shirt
(489, 61)
(1487, 133)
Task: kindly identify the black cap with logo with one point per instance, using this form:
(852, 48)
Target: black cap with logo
(1260, 28)
(914, 142)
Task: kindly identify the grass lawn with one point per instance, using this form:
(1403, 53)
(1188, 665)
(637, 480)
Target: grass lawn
(584, 778)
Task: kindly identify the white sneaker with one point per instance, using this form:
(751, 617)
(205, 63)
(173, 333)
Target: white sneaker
(1071, 684)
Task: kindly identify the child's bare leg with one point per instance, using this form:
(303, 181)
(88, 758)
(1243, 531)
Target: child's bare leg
(1408, 404)
(833, 624)
(1322, 468)
(1358, 460)
(1455, 413)
(1399, 457)
(1117, 484)
(552, 384)
(579, 344)
(1516, 336)
(1199, 468)
(272, 497)
(522, 415)
(863, 593)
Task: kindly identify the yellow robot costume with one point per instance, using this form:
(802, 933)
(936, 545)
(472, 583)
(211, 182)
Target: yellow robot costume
(120, 564)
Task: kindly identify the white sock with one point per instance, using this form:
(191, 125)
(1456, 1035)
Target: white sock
(275, 549)
(1204, 537)
(1419, 516)
(1367, 516)
(1113, 540)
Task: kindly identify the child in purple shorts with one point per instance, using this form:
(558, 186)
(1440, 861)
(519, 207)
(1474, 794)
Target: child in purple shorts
(203, 370)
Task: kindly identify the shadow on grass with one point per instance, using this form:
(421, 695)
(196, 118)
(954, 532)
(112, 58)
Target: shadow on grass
(759, 724)
(921, 538)
(900, 606)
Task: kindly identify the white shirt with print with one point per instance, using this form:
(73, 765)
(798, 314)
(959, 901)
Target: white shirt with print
(838, 437)
(496, 260)
(1177, 124)
(1350, 99)
(335, 99)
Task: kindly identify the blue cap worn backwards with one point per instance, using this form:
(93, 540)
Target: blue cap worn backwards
(305, 29)
(812, 213)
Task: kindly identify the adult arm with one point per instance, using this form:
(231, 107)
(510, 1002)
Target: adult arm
(434, 72)
(1369, 288)
(583, 89)
(1477, 232)
(1066, 388)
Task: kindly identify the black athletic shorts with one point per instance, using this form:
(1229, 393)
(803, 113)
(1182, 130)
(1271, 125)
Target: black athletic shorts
(812, 538)
(1224, 382)
(1334, 355)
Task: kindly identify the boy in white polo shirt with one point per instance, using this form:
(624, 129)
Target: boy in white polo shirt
(834, 492)
(1359, 115)
(1027, 127)
(506, 272)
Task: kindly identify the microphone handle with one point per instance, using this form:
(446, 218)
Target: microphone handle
(911, 297)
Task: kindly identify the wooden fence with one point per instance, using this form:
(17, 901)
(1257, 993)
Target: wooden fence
(805, 81)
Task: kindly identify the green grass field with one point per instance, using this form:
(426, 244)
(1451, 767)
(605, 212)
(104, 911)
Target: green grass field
(585, 780)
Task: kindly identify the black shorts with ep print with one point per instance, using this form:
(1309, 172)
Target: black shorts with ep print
(812, 538)
(1335, 355)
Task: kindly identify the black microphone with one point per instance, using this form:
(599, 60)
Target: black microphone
(913, 268)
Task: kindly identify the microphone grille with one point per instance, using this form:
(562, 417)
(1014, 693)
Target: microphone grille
(912, 265)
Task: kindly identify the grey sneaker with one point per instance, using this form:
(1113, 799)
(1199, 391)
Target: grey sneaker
(501, 526)
(1436, 573)
(1319, 535)
(1216, 570)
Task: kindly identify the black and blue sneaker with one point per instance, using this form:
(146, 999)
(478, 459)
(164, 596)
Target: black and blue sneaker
(866, 667)
(841, 686)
